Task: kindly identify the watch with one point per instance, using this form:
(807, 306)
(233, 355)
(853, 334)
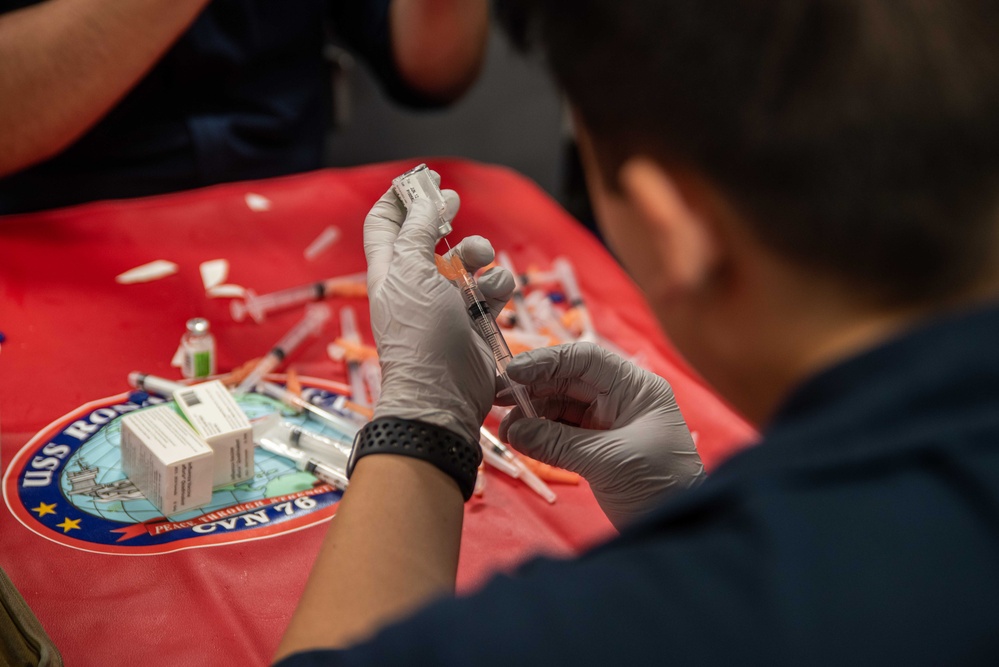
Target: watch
(437, 445)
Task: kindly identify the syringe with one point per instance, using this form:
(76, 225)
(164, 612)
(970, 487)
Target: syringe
(494, 457)
(154, 384)
(316, 315)
(524, 319)
(339, 424)
(490, 441)
(257, 306)
(265, 438)
(478, 309)
(567, 276)
(331, 450)
(544, 314)
(350, 333)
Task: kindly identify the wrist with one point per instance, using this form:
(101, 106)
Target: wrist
(453, 413)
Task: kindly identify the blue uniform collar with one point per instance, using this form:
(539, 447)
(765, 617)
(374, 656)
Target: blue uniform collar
(930, 388)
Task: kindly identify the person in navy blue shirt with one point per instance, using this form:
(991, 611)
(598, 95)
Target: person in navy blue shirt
(807, 192)
(106, 99)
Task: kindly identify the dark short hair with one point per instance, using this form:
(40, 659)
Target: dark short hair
(856, 137)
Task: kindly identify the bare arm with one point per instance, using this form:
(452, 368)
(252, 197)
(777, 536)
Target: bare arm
(439, 44)
(65, 63)
(392, 547)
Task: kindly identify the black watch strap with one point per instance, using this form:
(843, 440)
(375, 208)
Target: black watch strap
(434, 444)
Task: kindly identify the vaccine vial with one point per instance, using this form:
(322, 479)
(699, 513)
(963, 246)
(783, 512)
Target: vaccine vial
(197, 350)
(417, 183)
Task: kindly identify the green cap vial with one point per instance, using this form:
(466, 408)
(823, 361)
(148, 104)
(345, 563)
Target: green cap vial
(197, 349)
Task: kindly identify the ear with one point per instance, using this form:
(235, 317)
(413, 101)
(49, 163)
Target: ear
(685, 236)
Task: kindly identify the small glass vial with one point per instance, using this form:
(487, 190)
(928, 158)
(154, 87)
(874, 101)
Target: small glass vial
(197, 350)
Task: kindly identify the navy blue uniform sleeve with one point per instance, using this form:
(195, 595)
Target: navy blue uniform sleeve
(364, 26)
(644, 600)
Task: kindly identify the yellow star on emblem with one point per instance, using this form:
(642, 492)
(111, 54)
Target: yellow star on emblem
(69, 524)
(44, 508)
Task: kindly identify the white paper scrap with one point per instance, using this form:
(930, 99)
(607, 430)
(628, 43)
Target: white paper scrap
(227, 291)
(214, 272)
(178, 357)
(154, 270)
(257, 202)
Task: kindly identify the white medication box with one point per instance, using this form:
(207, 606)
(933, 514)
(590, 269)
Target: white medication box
(167, 460)
(217, 418)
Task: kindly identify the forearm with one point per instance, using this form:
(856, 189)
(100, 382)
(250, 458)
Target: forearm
(392, 547)
(65, 63)
(439, 44)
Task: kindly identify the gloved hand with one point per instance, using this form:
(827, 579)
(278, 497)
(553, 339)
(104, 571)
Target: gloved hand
(435, 367)
(612, 422)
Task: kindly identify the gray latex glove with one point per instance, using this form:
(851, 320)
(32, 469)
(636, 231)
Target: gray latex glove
(612, 422)
(435, 367)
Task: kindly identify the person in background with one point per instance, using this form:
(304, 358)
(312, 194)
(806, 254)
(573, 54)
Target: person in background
(807, 191)
(121, 98)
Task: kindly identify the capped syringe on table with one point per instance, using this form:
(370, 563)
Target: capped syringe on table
(268, 434)
(567, 276)
(316, 315)
(341, 425)
(351, 334)
(495, 452)
(258, 306)
(524, 319)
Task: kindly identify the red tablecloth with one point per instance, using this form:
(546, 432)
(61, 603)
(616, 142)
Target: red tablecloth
(73, 334)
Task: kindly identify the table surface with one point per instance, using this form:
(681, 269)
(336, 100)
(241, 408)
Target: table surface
(73, 334)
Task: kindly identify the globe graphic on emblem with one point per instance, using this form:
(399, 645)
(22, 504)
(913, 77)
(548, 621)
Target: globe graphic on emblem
(93, 481)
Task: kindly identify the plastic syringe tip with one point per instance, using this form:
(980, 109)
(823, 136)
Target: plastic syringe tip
(238, 310)
(497, 461)
(266, 365)
(348, 325)
(567, 276)
(316, 314)
(535, 482)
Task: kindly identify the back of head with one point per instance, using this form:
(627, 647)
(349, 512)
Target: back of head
(859, 138)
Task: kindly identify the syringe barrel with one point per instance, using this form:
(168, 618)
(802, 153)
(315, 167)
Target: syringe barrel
(153, 384)
(272, 442)
(567, 276)
(286, 298)
(348, 325)
(280, 393)
(315, 317)
(478, 310)
(340, 425)
(330, 284)
(522, 397)
(490, 456)
(524, 319)
(484, 320)
(326, 473)
(372, 373)
(336, 422)
(287, 440)
(263, 367)
(329, 449)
